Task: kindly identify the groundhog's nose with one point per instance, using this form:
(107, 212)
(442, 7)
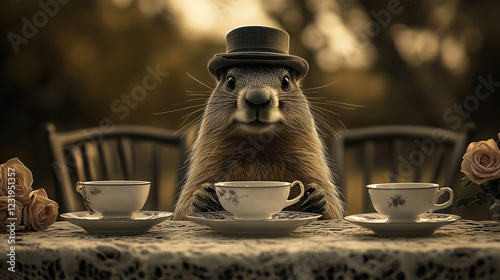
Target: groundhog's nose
(257, 99)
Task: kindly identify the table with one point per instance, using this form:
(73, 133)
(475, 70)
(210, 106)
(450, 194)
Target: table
(331, 249)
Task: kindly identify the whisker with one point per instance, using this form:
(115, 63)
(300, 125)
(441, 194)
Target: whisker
(196, 99)
(337, 106)
(322, 110)
(177, 110)
(228, 94)
(187, 101)
(331, 130)
(343, 125)
(199, 81)
(190, 107)
(195, 120)
(199, 91)
(190, 114)
(323, 123)
(326, 118)
(275, 134)
(336, 103)
(323, 86)
(182, 136)
(198, 94)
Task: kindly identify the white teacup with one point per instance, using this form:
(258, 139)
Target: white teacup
(256, 200)
(114, 198)
(406, 202)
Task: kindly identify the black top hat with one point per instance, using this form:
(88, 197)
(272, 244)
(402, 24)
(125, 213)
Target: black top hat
(257, 45)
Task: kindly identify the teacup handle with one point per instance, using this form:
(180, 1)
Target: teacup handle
(445, 204)
(296, 199)
(81, 191)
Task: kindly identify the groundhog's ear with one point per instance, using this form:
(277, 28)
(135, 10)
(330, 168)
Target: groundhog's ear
(221, 74)
(295, 76)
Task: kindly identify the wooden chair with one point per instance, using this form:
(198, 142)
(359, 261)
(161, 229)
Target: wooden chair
(400, 153)
(118, 152)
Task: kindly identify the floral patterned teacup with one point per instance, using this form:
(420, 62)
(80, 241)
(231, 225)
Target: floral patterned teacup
(256, 200)
(406, 202)
(114, 198)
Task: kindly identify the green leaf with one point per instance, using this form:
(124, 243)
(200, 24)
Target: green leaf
(465, 202)
(483, 197)
(486, 188)
(480, 198)
(465, 182)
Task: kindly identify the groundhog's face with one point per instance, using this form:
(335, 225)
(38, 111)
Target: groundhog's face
(251, 100)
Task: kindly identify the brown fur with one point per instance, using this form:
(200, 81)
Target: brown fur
(291, 151)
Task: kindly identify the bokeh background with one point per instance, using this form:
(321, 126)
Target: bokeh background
(74, 63)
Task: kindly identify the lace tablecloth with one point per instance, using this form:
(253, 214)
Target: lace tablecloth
(333, 249)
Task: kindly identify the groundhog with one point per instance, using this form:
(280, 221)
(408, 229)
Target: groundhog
(258, 126)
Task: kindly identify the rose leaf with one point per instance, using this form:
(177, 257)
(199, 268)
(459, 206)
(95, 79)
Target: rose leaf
(465, 182)
(465, 202)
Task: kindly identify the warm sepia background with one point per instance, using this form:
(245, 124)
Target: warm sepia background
(407, 62)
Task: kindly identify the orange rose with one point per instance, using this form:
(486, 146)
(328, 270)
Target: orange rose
(40, 212)
(481, 162)
(10, 209)
(16, 180)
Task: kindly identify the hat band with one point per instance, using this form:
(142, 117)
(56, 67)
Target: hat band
(254, 49)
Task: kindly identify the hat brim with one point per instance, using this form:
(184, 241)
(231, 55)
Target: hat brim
(220, 61)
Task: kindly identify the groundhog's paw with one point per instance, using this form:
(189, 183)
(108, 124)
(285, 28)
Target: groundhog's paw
(205, 199)
(313, 200)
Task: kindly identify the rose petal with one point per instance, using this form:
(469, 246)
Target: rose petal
(40, 212)
(5, 213)
(481, 162)
(23, 179)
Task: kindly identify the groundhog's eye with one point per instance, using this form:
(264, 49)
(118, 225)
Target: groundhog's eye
(285, 84)
(230, 83)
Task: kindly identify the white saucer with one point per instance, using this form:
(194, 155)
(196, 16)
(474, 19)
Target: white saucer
(282, 223)
(92, 223)
(426, 225)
